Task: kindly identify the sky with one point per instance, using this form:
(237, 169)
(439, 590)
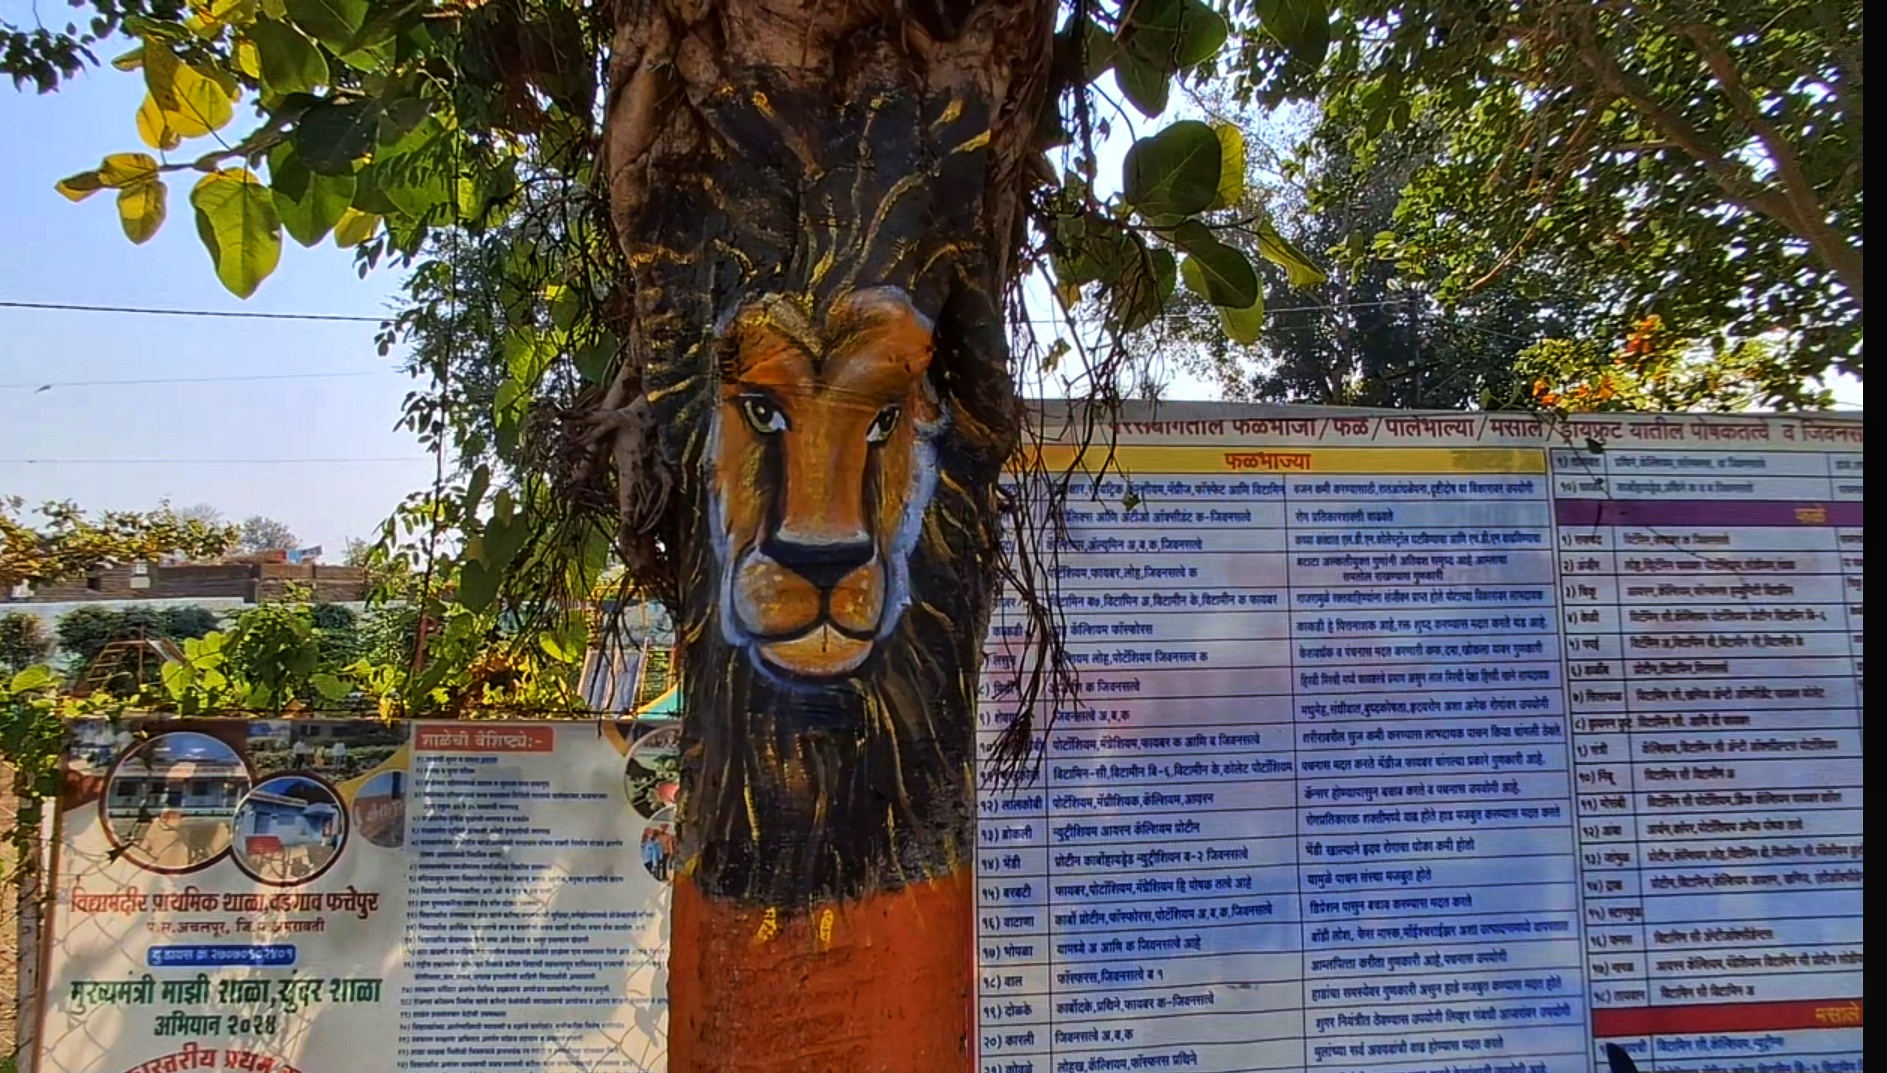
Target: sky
(319, 452)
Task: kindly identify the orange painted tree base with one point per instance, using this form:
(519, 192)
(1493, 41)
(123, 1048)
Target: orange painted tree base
(880, 985)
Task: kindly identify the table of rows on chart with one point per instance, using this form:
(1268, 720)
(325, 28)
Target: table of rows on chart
(1430, 758)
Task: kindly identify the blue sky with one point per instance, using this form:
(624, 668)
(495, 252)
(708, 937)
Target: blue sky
(236, 435)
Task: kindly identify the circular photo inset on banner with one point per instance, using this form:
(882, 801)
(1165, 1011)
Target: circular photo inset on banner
(658, 846)
(380, 809)
(170, 803)
(652, 773)
(289, 830)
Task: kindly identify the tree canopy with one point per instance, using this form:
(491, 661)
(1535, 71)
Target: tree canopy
(1385, 330)
(260, 534)
(1481, 178)
(1699, 163)
(69, 544)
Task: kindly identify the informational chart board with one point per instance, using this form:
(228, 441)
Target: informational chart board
(1398, 744)
(317, 896)
(1438, 743)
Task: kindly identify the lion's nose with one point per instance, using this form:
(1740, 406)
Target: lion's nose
(825, 563)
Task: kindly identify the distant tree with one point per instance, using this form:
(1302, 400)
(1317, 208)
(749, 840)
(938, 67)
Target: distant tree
(24, 641)
(201, 512)
(357, 552)
(69, 544)
(260, 534)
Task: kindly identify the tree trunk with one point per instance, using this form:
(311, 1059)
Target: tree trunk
(821, 206)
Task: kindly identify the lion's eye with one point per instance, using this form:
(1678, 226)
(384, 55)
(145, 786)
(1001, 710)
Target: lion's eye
(765, 417)
(882, 425)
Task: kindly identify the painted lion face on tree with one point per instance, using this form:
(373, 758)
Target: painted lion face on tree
(822, 467)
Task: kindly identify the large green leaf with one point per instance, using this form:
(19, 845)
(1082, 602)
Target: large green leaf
(355, 227)
(368, 196)
(1231, 166)
(290, 62)
(309, 204)
(1097, 49)
(331, 687)
(79, 187)
(504, 538)
(1172, 35)
(1145, 284)
(31, 679)
(1297, 265)
(332, 22)
(1213, 270)
(1247, 324)
(593, 361)
(191, 104)
(478, 585)
(414, 176)
(1174, 173)
(237, 222)
(154, 128)
(141, 209)
(331, 137)
(1144, 85)
(1301, 26)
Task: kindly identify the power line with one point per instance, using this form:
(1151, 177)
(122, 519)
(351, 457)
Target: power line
(236, 314)
(49, 384)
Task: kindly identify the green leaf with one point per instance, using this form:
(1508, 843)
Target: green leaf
(127, 169)
(1143, 289)
(1173, 35)
(32, 678)
(554, 648)
(154, 128)
(593, 361)
(1231, 166)
(331, 137)
(141, 209)
(1097, 49)
(332, 22)
(355, 227)
(1244, 325)
(236, 219)
(400, 118)
(309, 205)
(504, 538)
(478, 585)
(415, 183)
(290, 62)
(1216, 272)
(1301, 26)
(1298, 267)
(1174, 172)
(330, 686)
(131, 60)
(192, 105)
(80, 186)
(1144, 85)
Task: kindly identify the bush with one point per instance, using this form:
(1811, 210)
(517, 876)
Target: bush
(85, 632)
(189, 621)
(24, 641)
(332, 617)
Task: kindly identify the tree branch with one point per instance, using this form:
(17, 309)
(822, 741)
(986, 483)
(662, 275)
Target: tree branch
(1811, 217)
